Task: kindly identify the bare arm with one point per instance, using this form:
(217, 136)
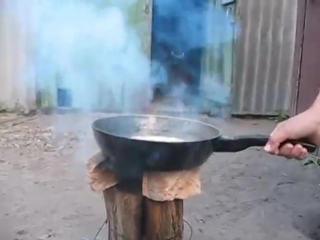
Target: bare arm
(303, 125)
(317, 102)
(315, 107)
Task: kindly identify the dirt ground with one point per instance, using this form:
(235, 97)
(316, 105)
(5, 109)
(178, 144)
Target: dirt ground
(245, 196)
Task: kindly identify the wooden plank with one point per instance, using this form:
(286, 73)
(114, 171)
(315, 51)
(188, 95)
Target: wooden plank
(310, 72)
(296, 73)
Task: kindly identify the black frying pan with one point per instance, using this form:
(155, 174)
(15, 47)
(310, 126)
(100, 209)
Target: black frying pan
(132, 144)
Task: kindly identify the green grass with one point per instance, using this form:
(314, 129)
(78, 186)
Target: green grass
(281, 116)
(312, 160)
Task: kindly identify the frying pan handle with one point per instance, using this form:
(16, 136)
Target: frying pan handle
(237, 144)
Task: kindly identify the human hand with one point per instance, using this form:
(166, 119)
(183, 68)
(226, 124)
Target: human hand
(304, 125)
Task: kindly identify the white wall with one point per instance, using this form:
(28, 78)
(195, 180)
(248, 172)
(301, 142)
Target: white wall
(17, 84)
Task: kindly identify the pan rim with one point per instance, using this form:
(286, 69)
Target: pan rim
(218, 135)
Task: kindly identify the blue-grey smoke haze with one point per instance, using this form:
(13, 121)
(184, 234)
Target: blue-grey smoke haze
(91, 49)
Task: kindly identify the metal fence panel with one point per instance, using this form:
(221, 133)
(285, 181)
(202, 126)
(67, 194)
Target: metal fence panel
(263, 80)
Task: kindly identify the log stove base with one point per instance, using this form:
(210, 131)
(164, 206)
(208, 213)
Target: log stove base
(135, 217)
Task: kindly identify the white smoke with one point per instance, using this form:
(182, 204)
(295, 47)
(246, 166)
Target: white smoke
(93, 49)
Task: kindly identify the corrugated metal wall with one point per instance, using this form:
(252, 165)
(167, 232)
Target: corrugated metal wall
(263, 79)
(17, 86)
(218, 57)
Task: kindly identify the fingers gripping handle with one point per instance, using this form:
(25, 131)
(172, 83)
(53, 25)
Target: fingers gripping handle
(303, 142)
(240, 143)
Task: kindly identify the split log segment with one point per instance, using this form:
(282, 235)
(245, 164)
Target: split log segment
(124, 212)
(164, 220)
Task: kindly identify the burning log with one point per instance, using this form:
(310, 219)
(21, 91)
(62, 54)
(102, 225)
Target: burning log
(134, 217)
(124, 211)
(164, 220)
(154, 211)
